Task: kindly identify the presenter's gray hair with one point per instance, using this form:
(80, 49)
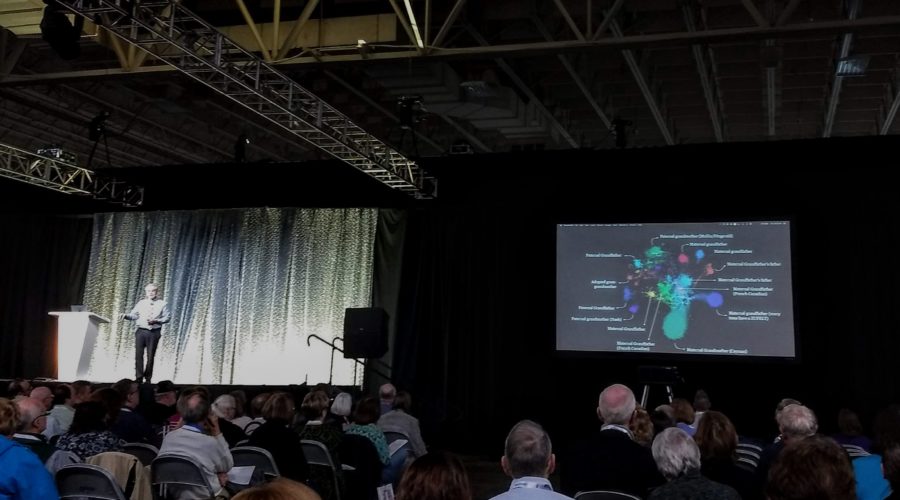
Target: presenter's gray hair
(675, 453)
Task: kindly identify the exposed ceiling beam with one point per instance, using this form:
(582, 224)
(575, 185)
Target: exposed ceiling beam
(837, 82)
(755, 13)
(888, 120)
(248, 18)
(448, 23)
(297, 28)
(609, 16)
(217, 62)
(707, 77)
(787, 12)
(576, 78)
(568, 18)
(641, 80)
(534, 48)
(523, 87)
(414, 37)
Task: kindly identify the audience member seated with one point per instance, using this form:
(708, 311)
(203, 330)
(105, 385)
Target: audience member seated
(111, 401)
(163, 408)
(241, 419)
(717, 440)
(22, 475)
(386, 395)
(18, 387)
(870, 481)
(32, 422)
(795, 422)
(851, 431)
(256, 408)
(315, 409)
(44, 396)
(279, 489)
(610, 459)
(341, 409)
(131, 425)
(89, 433)
(684, 415)
(435, 476)
(224, 408)
(65, 397)
(199, 439)
(678, 458)
(399, 420)
(784, 403)
(701, 405)
(662, 418)
(279, 439)
(641, 427)
(890, 460)
(528, 458)
(813, 468)
(364, 419)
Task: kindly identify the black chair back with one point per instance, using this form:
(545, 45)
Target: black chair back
(87, 481)
(256, 457)
(143, 451)
(176, 472)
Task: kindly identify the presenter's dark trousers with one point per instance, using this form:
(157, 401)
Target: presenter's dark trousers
(145, 339)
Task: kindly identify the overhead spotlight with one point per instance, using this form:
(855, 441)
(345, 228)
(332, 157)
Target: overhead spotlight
(364, 48)
(59, 32)
(240, 149)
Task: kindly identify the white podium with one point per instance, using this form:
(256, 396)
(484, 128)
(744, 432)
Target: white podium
(76, 338)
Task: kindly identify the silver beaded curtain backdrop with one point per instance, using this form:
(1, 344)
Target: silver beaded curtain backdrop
(246, 289)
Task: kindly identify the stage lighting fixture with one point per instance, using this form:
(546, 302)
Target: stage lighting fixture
(59, 32)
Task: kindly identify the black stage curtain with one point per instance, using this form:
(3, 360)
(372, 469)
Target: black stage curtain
(43, 264)
(476, 332)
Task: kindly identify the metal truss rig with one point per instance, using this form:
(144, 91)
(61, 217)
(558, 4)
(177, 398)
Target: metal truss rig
(65, 178)
(179, 38)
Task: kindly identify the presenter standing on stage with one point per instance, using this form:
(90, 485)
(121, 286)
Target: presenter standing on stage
(151, 314)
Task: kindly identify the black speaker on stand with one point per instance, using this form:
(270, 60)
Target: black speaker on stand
(365, 332)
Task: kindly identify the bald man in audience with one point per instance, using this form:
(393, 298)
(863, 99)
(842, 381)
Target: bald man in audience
(528, 458)
(43, 395)
(611, 459)
(32, 422)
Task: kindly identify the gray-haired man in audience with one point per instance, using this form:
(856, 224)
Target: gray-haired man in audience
(611, 459)
(678, 459)
(529, 460)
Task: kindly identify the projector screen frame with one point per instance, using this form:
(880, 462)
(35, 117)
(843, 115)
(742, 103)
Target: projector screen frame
(676, 358)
